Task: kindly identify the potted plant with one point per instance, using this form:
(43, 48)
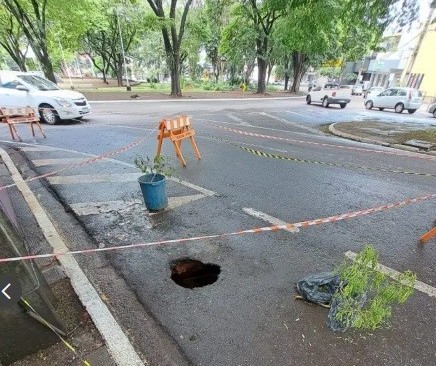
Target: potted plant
(153, 182)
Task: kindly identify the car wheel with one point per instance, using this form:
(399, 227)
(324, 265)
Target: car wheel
(411, 111)
(434, 113)
(308, 99)
(381, 109)
(399, 108)
(325, 102)
(343, 105)
(48, 114)
(369, 104)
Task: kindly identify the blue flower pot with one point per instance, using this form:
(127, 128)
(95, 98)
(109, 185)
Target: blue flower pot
(153, 187)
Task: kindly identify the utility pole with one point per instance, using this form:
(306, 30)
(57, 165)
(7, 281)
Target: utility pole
(65, 64)
(418, 44)
(122, 50)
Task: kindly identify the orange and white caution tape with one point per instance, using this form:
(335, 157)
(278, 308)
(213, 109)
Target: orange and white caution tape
(104, 156)
(302, 224)
(253, 134)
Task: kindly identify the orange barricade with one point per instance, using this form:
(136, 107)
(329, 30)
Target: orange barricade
(13, 116)
(176, 130)
(428, 235)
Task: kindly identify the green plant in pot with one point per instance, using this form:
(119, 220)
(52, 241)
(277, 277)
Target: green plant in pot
(153, 182)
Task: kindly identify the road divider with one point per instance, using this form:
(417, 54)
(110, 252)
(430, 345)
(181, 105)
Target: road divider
(254, 134)
(288, 226)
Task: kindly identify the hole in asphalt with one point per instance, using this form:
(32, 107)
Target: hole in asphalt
(191, 273)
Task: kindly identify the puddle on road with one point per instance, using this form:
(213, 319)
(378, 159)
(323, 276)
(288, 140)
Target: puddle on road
(191, 273)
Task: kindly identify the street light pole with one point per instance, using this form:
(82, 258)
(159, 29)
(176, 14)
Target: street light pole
(122, 50)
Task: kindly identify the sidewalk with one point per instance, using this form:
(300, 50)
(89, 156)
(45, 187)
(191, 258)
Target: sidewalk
(81, 331)
(405, 136)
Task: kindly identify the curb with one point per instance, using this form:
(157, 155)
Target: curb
(345, 135)
(118, 344)
(190, 100)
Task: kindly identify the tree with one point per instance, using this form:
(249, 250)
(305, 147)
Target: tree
(12, 39)
(216, 17)
(32, 17)
(41, 19)
(238, 46)
(263, 15)
(172, 34)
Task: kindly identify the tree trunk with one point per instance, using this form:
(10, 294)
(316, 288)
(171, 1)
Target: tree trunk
(119, 70)
(298, 60)
(175, 75)
(261, 75)
(270, 67)
(262, 47)
(286, 81)
(47, 66)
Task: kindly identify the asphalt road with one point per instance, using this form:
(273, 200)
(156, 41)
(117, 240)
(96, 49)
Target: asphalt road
(249, 316)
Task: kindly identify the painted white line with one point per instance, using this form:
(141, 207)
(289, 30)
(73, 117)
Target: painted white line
(38, 148)
(193, 186)
(96, 208)
(265, 217)
(205, 191)
(192, 100)
(117, 342)
(239, 120)
(313, 130)
(420, 286)
(178, 201)
(94, 178)
(64, 161)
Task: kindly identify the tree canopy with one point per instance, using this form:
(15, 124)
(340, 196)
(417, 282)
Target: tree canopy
(171, 37)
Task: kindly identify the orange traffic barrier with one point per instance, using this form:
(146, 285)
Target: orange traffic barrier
(176, 130)
(429, 234)
(13, 116)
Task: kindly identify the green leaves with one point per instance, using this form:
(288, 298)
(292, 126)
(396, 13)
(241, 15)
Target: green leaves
(367, 295)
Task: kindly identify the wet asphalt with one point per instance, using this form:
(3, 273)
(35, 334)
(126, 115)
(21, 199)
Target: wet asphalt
(249, 316)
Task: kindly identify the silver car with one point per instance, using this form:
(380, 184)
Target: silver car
(432, 109)
(398, 99)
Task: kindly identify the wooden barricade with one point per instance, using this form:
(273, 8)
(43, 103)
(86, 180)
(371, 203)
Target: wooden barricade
(177, 130)
(428, 235)
(14, 115)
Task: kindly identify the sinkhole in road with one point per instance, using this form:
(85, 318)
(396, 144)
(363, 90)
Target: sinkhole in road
(191, 273)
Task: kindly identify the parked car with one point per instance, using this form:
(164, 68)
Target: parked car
(21, 89)
(357, 89)
(373, 90)
(432, 109)
(330, 94)
(398, 99)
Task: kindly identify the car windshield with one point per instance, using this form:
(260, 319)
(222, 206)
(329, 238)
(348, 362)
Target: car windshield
(39, 82)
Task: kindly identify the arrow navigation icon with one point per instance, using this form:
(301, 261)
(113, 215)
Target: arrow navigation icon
(4, 291)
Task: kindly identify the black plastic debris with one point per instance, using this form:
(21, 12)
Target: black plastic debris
(319, 288)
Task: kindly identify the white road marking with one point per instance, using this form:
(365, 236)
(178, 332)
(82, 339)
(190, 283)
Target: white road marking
(203, 190)
(237, 119)
(63, 161)
(313, 130)
(265, 217)
(117, 342)
(38, 148)
(94, 178)
(97, 208)
(178, 201)
(420, 286)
